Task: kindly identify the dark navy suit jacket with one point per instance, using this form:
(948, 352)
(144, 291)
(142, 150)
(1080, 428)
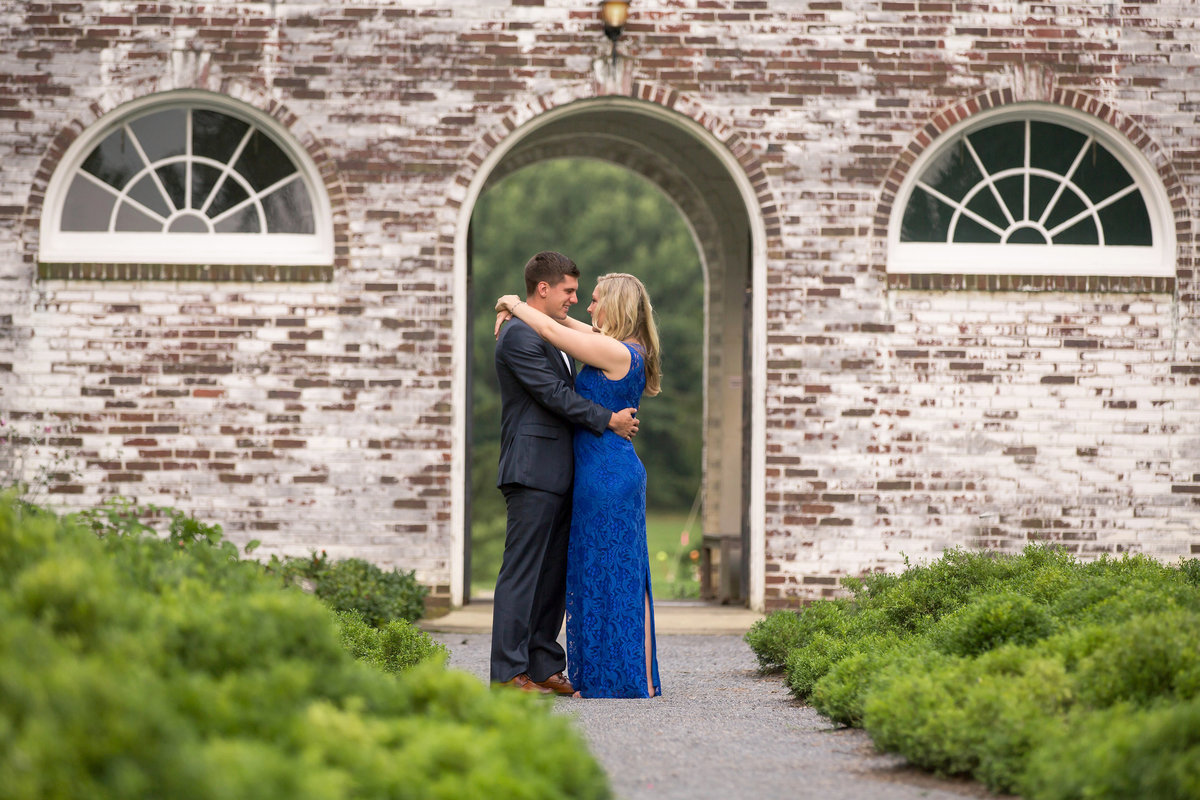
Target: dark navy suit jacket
(538, 411)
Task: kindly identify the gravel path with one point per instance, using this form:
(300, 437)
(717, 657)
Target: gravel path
(721, 730)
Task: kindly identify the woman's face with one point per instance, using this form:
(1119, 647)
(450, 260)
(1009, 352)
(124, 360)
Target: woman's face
(595, 310)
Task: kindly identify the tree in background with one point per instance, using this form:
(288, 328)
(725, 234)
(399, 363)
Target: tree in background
(607, 219)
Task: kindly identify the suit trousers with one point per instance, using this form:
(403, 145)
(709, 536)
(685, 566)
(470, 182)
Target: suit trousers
(530, 600)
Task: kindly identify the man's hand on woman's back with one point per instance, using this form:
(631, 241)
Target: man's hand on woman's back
(624, 424)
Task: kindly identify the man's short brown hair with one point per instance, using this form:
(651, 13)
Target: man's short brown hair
(550, 267)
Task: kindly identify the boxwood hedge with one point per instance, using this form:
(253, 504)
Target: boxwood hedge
(138, 666)
(1003, 667)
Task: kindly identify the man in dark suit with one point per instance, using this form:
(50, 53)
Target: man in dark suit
(538, 411)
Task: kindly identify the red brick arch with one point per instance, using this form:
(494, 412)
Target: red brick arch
(664, 97)
(1104, 112)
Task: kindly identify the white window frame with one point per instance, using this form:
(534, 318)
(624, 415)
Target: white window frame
(1157, 260)
(114, 247)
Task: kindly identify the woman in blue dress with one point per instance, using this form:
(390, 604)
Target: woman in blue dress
(610, 609)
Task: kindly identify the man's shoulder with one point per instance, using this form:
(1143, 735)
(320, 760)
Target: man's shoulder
(516, 333)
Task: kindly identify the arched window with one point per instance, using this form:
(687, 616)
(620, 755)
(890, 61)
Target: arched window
(185, 178)
(1032, 191)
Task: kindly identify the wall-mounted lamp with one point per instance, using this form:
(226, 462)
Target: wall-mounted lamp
(614, 13)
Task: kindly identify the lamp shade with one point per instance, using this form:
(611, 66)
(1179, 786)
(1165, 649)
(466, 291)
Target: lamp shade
(614, 13)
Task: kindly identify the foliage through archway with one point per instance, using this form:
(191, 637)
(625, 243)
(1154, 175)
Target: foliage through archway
(607, 219)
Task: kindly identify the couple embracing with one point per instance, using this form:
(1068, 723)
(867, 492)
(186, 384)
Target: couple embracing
(574, 487)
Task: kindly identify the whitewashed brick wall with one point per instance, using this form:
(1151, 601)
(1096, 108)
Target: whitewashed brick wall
(899, 419)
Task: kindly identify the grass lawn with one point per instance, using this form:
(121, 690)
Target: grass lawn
(673, 573)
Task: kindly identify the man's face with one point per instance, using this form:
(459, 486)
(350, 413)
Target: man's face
(561, 296)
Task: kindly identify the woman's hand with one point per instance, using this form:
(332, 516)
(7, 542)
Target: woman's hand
(504, 313)
(501, 318)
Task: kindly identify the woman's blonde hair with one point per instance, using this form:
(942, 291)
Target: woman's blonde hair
(629, 315)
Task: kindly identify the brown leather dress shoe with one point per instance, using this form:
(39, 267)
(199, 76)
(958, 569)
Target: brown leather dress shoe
(524, 684)
(558, 684)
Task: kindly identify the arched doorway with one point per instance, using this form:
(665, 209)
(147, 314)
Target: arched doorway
(717, 199)
(607, 218)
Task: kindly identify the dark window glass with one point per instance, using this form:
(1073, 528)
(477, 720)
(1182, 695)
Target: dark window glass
(243, 221)
(228, 194)
(1027, 234)
(1000, 147)
(969, 231)
(953, 173)
(162, 135)
(984, 204)
(926, 218)
(87, 207)
(146, 192)
(1082, 232)
(262, 163)
(1100, 175)
(261, 191)
(288, 210)
(1068, 205)
(1012, 191)
(1054, 147)
(188, 223)
(130, 218)
(215, 135)
(1041, 192)
(1126, 222)
(174, 180)
(115, 160)
(204, 180)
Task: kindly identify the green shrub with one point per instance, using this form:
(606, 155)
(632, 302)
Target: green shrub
(1120, 752)
(1110, 591)
(976, 716)
(917, 598)
(119, 516)
(139, 667)
(352, 584)
(1189, 568)
(1140, 661)
(395, 647)
(1041, 573)
(990, 621)
(809, 663)
(840, 694)
(1016, 709)
(356, 585)
(991, 665)
(922, 595)
(772, 637)
(915, 712)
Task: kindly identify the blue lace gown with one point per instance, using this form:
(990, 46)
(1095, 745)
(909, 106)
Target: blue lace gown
(608, 568)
